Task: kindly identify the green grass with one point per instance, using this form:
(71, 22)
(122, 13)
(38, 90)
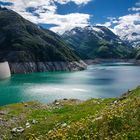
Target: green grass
(97, 119)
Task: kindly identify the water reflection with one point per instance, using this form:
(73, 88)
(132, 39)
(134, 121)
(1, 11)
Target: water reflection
(101, 80)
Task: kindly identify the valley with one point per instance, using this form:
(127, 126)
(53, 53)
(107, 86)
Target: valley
(63, 76)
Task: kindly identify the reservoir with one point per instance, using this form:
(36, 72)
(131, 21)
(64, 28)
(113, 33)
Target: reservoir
(98, 81)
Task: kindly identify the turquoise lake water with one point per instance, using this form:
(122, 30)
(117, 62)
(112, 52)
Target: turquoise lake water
(98, 81)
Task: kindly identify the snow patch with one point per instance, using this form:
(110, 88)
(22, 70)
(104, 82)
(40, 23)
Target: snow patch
(97, 30)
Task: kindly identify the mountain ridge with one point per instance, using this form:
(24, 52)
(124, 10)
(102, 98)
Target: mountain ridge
(22, 42)
(97, 42)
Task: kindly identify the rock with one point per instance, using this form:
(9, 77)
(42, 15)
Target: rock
(28, 125)
(129, 91)
(58, 124)
(3, 112)
(2, 122)
(50, 132)
(25, 105)
(68, 126)
(64, 125)
(34, 121)
(17, 130)
(115, 102)
(99, 118)
(28, 67)
(57, 103)
(20, 129)
(14, 130)
(122, 98)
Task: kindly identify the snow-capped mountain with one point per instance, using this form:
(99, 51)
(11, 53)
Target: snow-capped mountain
(99, 32)
(133, 39)
(97, 41)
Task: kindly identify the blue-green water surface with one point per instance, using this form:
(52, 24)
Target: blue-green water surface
(98, 81)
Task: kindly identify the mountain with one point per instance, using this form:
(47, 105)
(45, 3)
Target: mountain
(97, 42)
(137, 53)
(133, 39)
(29, 48)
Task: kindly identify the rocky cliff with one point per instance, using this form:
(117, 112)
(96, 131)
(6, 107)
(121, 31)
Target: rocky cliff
(28, 67)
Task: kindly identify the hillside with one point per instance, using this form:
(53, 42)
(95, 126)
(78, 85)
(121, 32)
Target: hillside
(117, 118)
(97, 42)
(27, 47)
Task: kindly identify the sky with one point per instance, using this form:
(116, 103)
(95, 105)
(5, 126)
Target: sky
(121, 16)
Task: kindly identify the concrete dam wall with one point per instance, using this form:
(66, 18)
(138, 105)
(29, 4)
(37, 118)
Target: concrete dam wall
(4, 70)
(29, 67)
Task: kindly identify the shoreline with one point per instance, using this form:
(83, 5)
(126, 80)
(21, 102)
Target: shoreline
(98, 61)
(29, 67)
(64, 101)
(60, 118)
(93, 62)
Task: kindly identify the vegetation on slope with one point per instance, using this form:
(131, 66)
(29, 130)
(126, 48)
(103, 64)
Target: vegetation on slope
(97, 42)
(117, 118)
(137, 53)
(23, 41)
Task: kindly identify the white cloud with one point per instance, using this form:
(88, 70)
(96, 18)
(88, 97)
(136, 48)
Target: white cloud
(67, 22)
(45, 12)
(127, 26)
(134, 9)
(106, 24)
(75, 1)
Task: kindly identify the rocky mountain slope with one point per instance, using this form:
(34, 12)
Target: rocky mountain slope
(29, 48)
(97, 42)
